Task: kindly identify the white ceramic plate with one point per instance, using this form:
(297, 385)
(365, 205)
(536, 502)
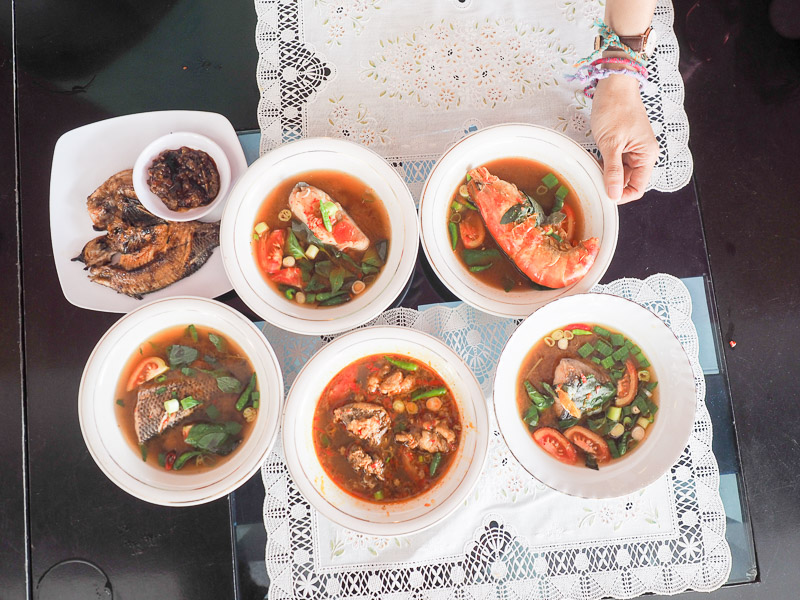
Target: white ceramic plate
(289, 161)
(677, 401)
(82, 161)
(113, 454)
(508, 141)
(390, 519)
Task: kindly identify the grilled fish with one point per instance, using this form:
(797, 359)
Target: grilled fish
(150, 416)
(305, 203)
(186, 247)
(114, 205)
(543, 259)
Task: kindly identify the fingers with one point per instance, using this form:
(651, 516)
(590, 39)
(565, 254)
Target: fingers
(613, 172)
(638, 174)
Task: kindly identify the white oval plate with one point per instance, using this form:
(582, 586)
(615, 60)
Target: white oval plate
(677, 401)
(544, 145)
(104, 439)
(84, 159)
(397, 518)
(288, 161)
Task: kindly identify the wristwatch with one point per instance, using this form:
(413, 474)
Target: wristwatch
(641, 44)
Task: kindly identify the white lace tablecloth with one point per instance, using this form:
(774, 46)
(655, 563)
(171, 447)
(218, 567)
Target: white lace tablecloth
(410, 77)
(514, 537)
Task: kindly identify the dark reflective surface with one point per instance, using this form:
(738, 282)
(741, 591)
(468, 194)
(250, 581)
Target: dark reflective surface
(83, 61)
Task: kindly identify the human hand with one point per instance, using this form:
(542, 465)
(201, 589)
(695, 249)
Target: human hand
(624, 137)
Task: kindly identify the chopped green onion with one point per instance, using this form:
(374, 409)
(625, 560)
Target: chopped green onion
(469, 177)
(612, 447)
(289, 293)
(550, 180)
(643, 362)
(607, 362)
(456, 206)
(453, 235)
(378, 495)
(586, 349)
(596, 360)
(601, 331)
(255, 404)
(562, 192)
(620, 354)
(651, 385)
(172, 406)
(479, 268)
(603, 348)
(613, 413)
(431, 393)
(403, 364)
(325, 440)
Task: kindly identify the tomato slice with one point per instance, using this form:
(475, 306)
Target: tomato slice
(291, 276)
(473, 233)
(150, 367)
(555, 444)
(270, 251)
(627, 385)
(588, 441)
(568, 224)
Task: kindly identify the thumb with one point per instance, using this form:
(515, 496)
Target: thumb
(613, 173)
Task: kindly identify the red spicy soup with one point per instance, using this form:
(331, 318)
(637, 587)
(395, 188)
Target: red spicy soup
(386, 428)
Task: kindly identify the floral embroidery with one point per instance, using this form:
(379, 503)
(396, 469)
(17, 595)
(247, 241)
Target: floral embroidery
(577, 117)
(618, 511)
(339, 16)
(486, 63)
(585, 11)
(355, 125)
(358, 541)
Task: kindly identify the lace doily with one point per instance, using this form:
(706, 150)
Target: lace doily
(513, 538)
(410, 77)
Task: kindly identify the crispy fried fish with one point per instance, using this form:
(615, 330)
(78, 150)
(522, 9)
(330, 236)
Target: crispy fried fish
(114, 205)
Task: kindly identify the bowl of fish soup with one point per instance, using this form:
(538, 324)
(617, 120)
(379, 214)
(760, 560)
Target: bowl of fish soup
(627, 437)
(393, 484)
(319, 236)
(467, 217)
(180, 401)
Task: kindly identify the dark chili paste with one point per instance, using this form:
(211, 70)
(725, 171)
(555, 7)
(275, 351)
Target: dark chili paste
(184, 178)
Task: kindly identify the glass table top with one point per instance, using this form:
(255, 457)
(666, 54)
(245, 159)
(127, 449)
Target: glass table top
(632, 259)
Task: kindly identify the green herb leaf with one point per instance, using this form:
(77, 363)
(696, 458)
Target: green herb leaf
(192, 332)
(229, 385)
(183, 458)
(340, 299)
(327, 209)
(178, 355)
(294, 247)
(162, 459)
(188, 371)
(480, 256)
(212, 412)
(213, 437)
(189, 402)
(508, 284)
(120, 401)
(479, 268)
(531, 416)
(337, 279)
(515, 214)
(219, 343)
(143, 450)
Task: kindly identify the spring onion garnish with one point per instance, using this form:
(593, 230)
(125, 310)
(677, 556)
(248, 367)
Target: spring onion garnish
(172, 406)
(550, 180)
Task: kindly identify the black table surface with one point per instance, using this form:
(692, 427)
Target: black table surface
(63, 65)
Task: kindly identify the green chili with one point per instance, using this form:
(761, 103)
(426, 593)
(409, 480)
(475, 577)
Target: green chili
(403, 364)
(437, 458)
(431, 393)
(453, 235)
(245, 397)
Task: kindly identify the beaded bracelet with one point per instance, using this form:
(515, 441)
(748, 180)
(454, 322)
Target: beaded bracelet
(591, 74)
(611, 39)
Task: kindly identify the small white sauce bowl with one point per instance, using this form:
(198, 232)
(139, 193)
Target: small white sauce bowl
(514, 140)
(174, 141)
(389, 518)
(676, 397)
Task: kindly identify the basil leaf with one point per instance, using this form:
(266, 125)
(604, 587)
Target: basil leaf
(189, 402)
(371, 258)
(212, 412)
(184, 458)
(532, 416)
(512, 215)
(317, 283)
(535, 208)
(293, 245)
(212, 437)
(554, 218)
(189, 372)
(229, 385)
(232, 427)
(590, 395)
(382, 248)
(180, 355)
(323, 267)
(218, 342)
(337, 279)
(192, 332)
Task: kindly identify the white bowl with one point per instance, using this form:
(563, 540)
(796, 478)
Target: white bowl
(291, 160)
(173, 141)
(677, 401)
(396, 518)
(509, 141)
(104, 438)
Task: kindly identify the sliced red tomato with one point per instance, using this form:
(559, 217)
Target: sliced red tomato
(270, 251)
(473, 233)
(627, 385)
(588, 441)
(556, 444)
(291, 276)
(568, 224)
(150, 367)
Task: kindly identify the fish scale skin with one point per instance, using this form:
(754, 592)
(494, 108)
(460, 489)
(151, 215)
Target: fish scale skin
(150, 409)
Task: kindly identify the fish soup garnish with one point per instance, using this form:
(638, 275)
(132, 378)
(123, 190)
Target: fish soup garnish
(386, 428)
(321, 238)
(187, 399)
(515, 224)
(588, 394)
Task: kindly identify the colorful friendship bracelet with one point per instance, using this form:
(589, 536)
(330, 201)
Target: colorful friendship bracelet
(611, 39)
(591, 74)
(620, 61)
